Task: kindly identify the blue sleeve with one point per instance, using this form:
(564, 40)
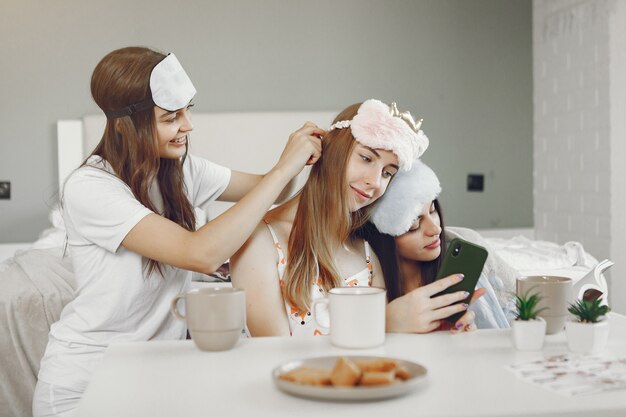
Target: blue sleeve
(489, 313)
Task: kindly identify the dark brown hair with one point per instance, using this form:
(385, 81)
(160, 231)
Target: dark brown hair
(129, 143)
(385, 247)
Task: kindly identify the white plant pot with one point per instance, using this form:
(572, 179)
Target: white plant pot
(529, 335)
(587, 337)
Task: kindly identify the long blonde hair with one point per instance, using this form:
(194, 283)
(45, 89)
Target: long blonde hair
(323, 219)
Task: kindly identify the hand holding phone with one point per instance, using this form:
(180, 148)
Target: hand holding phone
(420, 311)
(462, 257)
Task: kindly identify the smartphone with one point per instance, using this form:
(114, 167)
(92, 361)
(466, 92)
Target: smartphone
(462, 257)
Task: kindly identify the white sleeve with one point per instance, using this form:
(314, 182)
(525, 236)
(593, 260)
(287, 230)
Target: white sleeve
(205, 180)
(489, 314)
(101, 208)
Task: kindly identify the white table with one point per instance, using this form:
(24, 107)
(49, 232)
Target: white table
(467, 377)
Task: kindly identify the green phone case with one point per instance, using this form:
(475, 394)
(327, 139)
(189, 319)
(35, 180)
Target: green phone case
(462, 257)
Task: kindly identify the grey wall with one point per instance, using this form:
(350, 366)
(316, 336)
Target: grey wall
(464, 66)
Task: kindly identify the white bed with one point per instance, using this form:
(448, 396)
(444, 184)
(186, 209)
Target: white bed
(251, 142)
(257, 140)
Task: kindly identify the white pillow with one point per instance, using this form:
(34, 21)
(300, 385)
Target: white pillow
(52, 237)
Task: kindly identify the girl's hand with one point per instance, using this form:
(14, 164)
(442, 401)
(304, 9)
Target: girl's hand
(304, 147)
(466, 322)
(419, 312)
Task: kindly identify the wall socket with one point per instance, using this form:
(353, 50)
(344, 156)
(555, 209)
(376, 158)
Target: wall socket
(475, 182)
(5, 190)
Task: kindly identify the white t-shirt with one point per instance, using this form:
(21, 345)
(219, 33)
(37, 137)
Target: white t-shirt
(115, 300)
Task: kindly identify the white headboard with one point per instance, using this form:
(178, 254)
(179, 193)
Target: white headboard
(250, 142)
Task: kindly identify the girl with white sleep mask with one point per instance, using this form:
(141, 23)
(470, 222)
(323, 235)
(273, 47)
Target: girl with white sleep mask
(129, 214)
(407, 232)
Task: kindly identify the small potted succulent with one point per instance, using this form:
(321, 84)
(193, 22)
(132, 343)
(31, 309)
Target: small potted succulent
(588, 331)
(528, 329)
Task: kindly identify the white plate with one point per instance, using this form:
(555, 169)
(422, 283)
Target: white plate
(417, 377)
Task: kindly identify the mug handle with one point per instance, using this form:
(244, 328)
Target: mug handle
(314, 309)
(174, 307)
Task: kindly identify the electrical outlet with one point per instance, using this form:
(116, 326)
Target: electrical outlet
(5, 190)
(475, 182)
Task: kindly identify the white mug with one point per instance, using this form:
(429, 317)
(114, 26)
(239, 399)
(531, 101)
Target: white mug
(555, 293)
(215, 316)
(357, 316)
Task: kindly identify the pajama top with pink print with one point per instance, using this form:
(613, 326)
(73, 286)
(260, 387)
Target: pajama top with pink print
(302, 323)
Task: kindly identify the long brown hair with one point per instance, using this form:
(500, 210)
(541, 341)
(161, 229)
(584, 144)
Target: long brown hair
(384, 246)
(129, 143)
(323, 219)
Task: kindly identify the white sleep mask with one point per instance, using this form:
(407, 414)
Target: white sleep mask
(404, 200)
(170, 87)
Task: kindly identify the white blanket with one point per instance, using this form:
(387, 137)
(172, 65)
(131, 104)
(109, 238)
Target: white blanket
(530, 255)
(36, 284)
